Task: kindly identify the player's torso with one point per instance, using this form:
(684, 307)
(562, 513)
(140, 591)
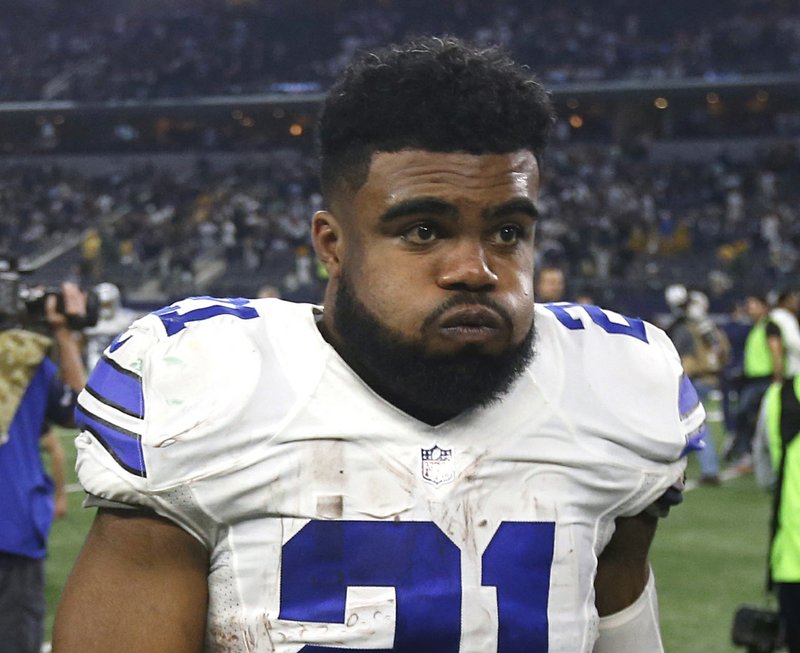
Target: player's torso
(335, 520)
(356, 526)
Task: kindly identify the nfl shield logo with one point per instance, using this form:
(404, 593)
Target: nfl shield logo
(437, 465)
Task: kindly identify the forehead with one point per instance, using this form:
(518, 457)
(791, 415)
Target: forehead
(451, 176)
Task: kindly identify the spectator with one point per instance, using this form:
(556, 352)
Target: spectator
(96, 50)
(549, 285)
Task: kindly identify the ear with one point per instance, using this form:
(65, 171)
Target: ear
(326, 234)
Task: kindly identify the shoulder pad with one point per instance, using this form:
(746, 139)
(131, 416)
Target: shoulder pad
(623, 381)
(177, 375)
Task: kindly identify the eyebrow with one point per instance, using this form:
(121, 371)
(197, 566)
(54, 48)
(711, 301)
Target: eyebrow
(517, 205)
(435, 206)
(417, 206)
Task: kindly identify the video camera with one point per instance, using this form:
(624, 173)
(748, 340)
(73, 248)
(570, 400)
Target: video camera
(23, 306)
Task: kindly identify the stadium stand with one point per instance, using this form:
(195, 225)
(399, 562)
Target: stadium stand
(168, 147)
(97, 50)
(607, 218)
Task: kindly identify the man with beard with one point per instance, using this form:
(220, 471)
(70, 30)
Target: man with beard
(427, 463)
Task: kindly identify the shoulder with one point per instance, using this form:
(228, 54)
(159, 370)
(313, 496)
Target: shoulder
(622, 380)
(174, 396)
(773, 326)
(777, 315)
(207, 336)
(607, 338)
(784, 319)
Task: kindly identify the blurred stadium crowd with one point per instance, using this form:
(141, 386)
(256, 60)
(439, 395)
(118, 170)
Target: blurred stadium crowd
(102, 50)
(606, 217)
(621, 217)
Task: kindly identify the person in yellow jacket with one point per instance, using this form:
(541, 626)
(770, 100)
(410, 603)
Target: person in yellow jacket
(782, 408)
(763, 364)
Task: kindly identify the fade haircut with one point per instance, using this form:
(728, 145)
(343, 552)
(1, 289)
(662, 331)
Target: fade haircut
(434, 94)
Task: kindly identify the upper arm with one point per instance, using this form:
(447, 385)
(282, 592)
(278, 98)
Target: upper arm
(774, 337)
(775, 344)
(139, 584)
(623, 567)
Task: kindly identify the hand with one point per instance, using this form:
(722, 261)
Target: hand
(74, 305)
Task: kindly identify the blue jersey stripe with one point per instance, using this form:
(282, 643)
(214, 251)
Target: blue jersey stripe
(125, 446)
(687, 397)
(117, 387)
(695, 441)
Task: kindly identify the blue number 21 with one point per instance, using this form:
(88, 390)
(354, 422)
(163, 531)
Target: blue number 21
(423, 566)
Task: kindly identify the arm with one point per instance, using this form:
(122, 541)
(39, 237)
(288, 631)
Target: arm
(52, 445)
(623, 568)
(139, 584)
(69, 352)
(624, 590)
(775, 345)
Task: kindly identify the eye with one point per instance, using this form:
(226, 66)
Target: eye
(421, 233)
(508, 234)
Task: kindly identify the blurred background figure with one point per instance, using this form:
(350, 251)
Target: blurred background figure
(784, 316)
(704, 350)
(114, 318)
(762, 364)
(268, 291)
(550, 284)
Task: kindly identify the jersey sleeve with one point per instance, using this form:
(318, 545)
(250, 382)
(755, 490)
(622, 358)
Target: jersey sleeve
(627, 396)
(159, 410)
(682, 425)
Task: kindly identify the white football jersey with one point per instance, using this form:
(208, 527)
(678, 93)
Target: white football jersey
(336, 521)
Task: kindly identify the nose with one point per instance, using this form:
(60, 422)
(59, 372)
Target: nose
(465, 266)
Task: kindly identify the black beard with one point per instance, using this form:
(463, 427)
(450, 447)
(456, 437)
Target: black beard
(430, 387)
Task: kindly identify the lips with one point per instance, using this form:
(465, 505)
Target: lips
(471, 317)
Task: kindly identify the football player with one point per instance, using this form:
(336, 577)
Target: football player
(429, 461)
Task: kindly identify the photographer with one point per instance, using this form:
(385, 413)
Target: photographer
(32, 395)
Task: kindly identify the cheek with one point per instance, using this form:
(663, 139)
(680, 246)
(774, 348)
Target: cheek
(520, 299)
(400, 291)
(386, 288)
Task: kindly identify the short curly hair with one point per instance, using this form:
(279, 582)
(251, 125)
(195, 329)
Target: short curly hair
(430, 93)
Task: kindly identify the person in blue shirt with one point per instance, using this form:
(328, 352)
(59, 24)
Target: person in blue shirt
(32, 395)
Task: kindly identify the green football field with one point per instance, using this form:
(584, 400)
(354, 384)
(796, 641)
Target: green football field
(708, 556)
